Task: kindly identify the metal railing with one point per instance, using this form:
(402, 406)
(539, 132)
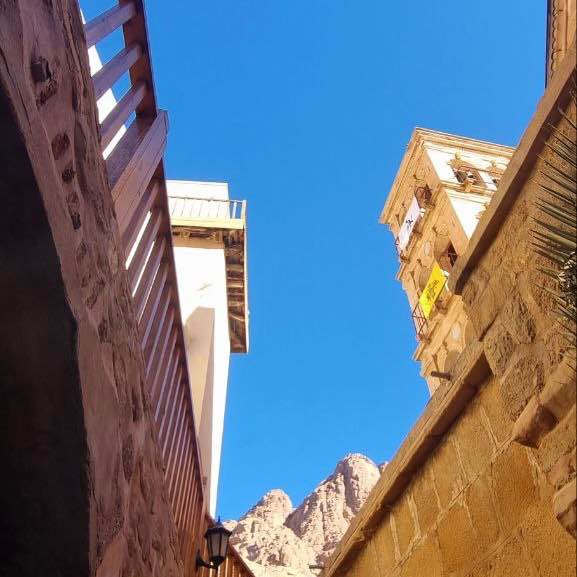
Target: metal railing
(138, 187)
(420, 322)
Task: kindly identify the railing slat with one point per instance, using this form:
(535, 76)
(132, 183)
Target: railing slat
(131, 225)
(150, 272)
(174, 435)
(179, 467)
(191, 506)
(186, 489)
(174, 455)
(149, 236)
(160, 406)
(105, 78)
(162, 366)
(150, 305)
(132, 163)
(170, 405)
(158, 345)
(120, 113)
(149, 345)
(107, 22)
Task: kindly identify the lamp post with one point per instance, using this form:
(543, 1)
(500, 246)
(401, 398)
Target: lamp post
(217, 538)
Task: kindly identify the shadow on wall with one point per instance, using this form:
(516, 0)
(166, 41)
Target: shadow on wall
(43, 451)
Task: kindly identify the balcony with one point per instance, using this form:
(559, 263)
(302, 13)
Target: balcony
(207, 213)
(421, 323)
(222, 221)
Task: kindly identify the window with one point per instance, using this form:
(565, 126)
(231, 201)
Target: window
(424, 196)
(448, 258)
(467, 175)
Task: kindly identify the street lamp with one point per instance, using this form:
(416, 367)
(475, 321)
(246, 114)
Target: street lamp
(217, 538)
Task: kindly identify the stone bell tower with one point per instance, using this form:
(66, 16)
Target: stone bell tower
(442, 188)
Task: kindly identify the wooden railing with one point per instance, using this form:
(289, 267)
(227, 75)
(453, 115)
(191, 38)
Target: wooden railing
(138, 186)
(206, 209)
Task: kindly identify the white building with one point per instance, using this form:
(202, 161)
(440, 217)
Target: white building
(210, 252)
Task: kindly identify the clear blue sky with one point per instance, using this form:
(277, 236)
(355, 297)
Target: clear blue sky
(305, 108)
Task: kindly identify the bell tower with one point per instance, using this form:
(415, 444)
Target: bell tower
(440, 192)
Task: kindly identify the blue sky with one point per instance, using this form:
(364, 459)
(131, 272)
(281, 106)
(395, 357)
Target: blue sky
(305, 108)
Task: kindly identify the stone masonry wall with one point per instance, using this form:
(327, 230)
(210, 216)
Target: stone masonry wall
(525, 345)
(479, 507)
(130, 530)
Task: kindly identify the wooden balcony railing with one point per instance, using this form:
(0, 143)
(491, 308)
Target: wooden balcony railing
(138, 186)
(207, 212)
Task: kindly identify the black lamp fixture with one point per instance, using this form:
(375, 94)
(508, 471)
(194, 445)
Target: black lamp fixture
(217, 538)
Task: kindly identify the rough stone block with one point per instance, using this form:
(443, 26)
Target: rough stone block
(456, 539)
(384, 546)
(518, 319)
(559, 442)
(366, 562)
(560, 393)
(533, 424)
(425, 500)
(550, 547)
(499, 347)
(483, 312)
(474, 442)
(499, 420)
(564, 507)
(404, 524)
(511, 560)
(474, 287)
(524, 378)
(513, 485)
(425, 561)
(449, 477)
(563, 470)
(483, 513)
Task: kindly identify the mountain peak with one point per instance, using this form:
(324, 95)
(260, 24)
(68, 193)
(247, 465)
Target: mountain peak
(273, 535)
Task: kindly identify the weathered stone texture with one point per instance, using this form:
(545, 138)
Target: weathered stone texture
(280, 541)
(472, 508)
(130, 528)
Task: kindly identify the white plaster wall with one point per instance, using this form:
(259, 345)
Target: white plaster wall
(468, 211)
(201, 272)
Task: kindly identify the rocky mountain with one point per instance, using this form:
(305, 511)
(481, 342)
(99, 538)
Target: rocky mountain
(278, 540)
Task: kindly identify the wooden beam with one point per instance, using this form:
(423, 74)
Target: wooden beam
(105, 78)
(107, 22)
(143, 249)
(135, 31)
(120, 113)
(131, 225)
(235, 283)
(210, 223)
(133, 162)
(237, 268)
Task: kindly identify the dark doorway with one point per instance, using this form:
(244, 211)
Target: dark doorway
(43, 455)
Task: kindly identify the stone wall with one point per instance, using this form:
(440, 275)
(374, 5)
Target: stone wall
(526, 346)
(478, 507)
(67, 231)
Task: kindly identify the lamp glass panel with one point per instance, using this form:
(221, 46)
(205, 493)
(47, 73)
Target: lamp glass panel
(223, 544)
(213, 544)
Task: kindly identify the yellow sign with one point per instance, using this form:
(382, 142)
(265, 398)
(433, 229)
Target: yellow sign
(435, 285)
